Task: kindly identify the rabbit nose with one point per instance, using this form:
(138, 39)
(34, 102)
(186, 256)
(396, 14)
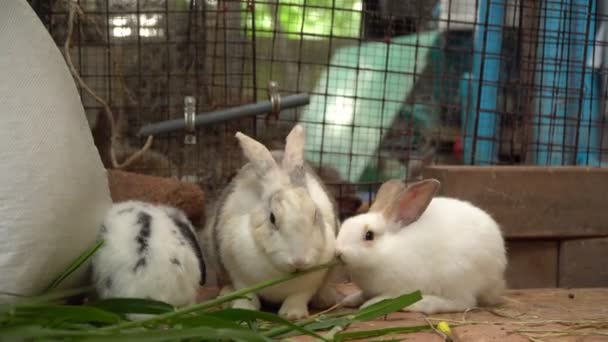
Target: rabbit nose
(298, 263)
(339, 255)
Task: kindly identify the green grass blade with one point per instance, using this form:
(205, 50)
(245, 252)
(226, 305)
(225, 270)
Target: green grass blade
(197, 333)
(133, 305)
(379, 309)
(248, 315)
(68, 313)
(47, 298)
(73, 266)
(329, 323)
(208, 320)
(313, 323)
(387, 306)
(366, 334)
(12, 294)
(218, 301)
(30, 331)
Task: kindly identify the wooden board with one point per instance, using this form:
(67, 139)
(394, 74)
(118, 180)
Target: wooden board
(533, 202)
(532, 264)
(584, 262)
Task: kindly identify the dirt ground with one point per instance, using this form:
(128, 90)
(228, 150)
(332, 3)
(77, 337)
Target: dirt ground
(526, 315)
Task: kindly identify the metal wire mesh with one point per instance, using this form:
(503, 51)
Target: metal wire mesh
(393, 84)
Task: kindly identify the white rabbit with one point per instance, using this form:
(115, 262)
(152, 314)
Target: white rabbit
(149, 251)
(450, 250)
(274, 218)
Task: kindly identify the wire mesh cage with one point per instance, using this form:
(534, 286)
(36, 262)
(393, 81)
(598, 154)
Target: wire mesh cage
(393, 84)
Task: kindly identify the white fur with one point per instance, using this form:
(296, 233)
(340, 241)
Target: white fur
(171, 272)
(253, 250)
(454, 254)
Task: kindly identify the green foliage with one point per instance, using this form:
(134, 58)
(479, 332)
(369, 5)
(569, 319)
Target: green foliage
(308, 19)
(74, 266)
(46, 318)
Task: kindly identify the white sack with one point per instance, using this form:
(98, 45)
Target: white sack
(53, 187)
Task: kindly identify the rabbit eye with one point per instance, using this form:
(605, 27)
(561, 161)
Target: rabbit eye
(369, 235)
(272, 218)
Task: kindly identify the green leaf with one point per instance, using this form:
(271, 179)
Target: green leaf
(74, 266)
(330, 323)
(387, 306)
(69, 313)
(314, 323)
(198, 333)
(218, 301)
(356, 335)
(133, 305)
(379, 309)
(30, 331)
(249, 315)
(208, 320)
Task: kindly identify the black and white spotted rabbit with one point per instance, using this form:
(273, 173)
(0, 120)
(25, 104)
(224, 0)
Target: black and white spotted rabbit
(149, 251)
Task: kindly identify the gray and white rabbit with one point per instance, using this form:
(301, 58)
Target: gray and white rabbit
(450, 250)
(274, 218)
(149, 251)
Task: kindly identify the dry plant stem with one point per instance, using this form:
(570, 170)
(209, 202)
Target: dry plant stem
(72, 9)
(533, 339)
(337, 329)
(594, 323)
(325, 311)
(551, 333)
(437, 331)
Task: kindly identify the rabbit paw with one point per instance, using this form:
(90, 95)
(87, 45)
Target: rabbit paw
(433, 304)
(352, 300)
(252, 302)
(294, 308)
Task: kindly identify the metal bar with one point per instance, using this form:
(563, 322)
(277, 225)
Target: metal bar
(586, 79)
(258, 108)
(482, 148)
(549, 121)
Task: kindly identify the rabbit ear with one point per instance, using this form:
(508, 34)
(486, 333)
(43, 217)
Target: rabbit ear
(293, 160)
(387, 195)
(412, 202)
(257, 154)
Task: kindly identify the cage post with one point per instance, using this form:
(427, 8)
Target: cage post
(482, 122)
(587, 79)
(549, 121)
